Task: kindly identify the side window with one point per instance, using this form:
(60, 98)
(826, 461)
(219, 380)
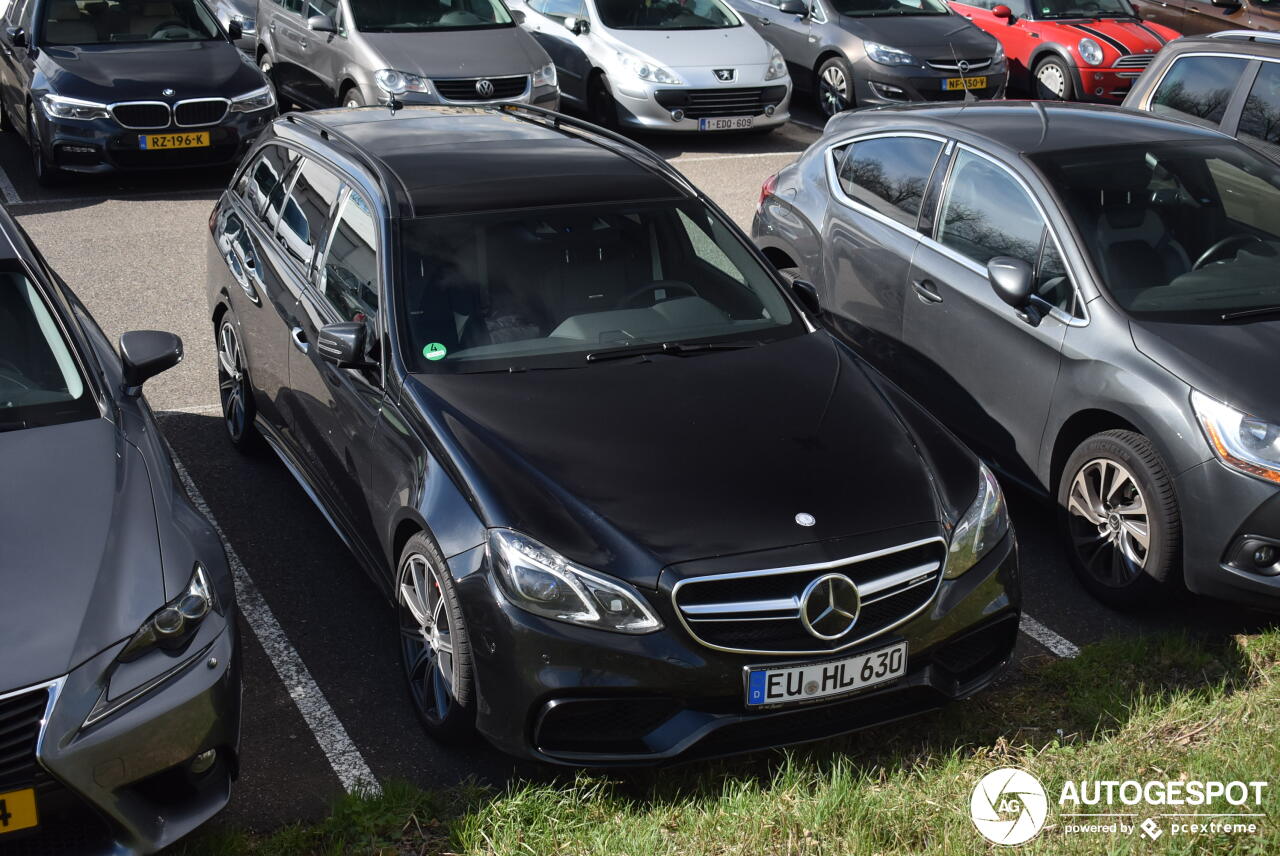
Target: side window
(264, 177)
(986, 213)
(321, 7)
(889, 174)
(1260, 122)
(16, 12)
(1053, 283)
(305, 211)
(1198, 88)
(349, 275)
(294, 6)
(705, 247)
(560, 9)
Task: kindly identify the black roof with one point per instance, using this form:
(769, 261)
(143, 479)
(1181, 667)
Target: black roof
(464, 159)
(1029, 127)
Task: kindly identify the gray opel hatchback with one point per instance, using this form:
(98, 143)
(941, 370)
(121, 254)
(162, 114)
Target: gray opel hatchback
(1087, 295)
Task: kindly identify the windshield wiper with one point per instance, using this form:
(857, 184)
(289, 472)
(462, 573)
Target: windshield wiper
(1246, 313)
(675, 349)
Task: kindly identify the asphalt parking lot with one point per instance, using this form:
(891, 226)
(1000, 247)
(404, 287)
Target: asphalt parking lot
(324, 701)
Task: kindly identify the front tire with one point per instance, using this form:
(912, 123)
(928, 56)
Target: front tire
(434, 646)
(1051, 80)
(835, 86)
(235, 393)
(600, 104)
(1120, 518)
(353, 98)
(46, 174)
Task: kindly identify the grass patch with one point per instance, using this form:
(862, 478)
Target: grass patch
(1141, 708)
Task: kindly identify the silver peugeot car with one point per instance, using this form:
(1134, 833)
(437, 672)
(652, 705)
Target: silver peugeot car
(662, 65)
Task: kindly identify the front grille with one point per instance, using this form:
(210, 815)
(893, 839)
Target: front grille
(464, 89)
(20, 719)
(1134, 61)
(758, 612)
(203, 111)
(952, 64)
(142, 115)
(714, 103)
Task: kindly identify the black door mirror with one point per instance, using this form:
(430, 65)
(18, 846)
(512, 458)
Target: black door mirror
(793, 7)
(807, 295)
(17, 36)
(517, 16)
(1014, 282)
(321, 24)
(146, 353)
(343, 344)
(234, 29)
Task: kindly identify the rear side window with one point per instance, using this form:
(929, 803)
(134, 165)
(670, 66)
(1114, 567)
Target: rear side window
(349, 275)
(1261, 120)
(986, 213)
(1198, 88)
(306, 211)
(889, 175)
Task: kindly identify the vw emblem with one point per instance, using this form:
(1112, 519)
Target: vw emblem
(724, 75)
(484, 88)
(829, 606)
(963, 65)
(167, 92)
(806, 519)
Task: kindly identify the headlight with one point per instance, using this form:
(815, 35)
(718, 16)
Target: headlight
(998, 56)
(1090, 51)
(981, 527)
(886, 55)
(545, 76)
(398, 82)
(258, 99)
(646, 70)
(777, 65)
(541, 581)
(1242, 442)
(173, 624)
(57, 107)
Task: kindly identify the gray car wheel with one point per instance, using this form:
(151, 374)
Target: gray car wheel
(600, 103)
(234, 392)
(835, 86)
(353, 98)
(1053, 80)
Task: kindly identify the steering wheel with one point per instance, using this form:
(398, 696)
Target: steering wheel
(1211, 255)
(11, 376)
(682, 287)
(165, 26)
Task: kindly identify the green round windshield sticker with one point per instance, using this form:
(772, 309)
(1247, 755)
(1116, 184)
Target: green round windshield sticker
(434, 351)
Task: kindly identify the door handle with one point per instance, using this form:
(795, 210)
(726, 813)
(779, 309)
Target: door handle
(299, 339)
(302, 43)
(765, 22)
(926, 291)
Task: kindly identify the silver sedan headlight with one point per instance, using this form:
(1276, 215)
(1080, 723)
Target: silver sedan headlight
(59, 107)
(545, 76)
(1241, 441)
(251, 102)
(648, 70)
(399, 82)
(777, 64)
(981, 527)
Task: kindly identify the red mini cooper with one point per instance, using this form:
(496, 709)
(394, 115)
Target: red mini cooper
(1070, 50)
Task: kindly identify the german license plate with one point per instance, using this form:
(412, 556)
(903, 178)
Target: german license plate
(775, 685)
(18, 811)
(953, 83)
(194, 140)
(727, 123)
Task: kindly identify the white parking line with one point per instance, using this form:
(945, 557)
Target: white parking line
(345, 759)
(1046, 637)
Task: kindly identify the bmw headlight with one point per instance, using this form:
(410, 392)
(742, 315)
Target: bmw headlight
(981, 527)
(545, 76)
(646, 70)
(399, 82)
(777, 64)
(1090, 51)
(540, 580)
(58, 107)
(1241, 441)
(251, 102)
(886, 55)
(173, 625)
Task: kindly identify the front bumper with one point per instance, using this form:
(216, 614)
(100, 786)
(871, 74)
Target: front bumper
(571, 695)
(660, 107)
(877, 85)
(1221, 508)
(122, 784)
(1104, 85)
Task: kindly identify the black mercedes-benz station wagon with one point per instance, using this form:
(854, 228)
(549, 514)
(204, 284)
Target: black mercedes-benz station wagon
(96, 87)
(629, 504)
(1089, 296)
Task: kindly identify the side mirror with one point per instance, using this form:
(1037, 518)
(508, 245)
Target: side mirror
(517, 16)
(1013, 281)
(234, 29)
(1003, 11)
(793, 7)
(146, 353)
(577, 26)
(322, 24)
(343, 344)
(17, 36)
(807, 295)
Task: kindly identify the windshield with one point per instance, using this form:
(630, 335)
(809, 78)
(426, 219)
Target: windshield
(1051, 9)
(665, 14)
(1184, 230)
(874, 8)
(546, 288)
(70, 22)
(40, 383)
(408, 16)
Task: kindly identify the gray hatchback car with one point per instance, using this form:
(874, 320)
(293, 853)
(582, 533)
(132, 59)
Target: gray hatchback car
(325, 53)
(1089, 296)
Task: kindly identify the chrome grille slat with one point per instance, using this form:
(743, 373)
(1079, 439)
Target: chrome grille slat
(1134, 61)
(142, 115)
(21, 717)
(952, 65)
(195, 112)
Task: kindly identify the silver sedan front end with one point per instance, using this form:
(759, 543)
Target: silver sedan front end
(701, 98)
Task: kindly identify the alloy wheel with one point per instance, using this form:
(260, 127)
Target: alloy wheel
(1110, 526)
(1050, 76)
(833, 90)
(232, 382)
(425, 634)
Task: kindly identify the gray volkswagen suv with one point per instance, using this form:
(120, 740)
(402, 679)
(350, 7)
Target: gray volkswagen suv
(323, 53)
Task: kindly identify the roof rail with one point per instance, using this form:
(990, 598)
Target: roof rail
(371, 162)
(1246, 35)
(631, 149)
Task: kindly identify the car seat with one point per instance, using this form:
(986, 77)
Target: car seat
(67, 25)
(1135, 246)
